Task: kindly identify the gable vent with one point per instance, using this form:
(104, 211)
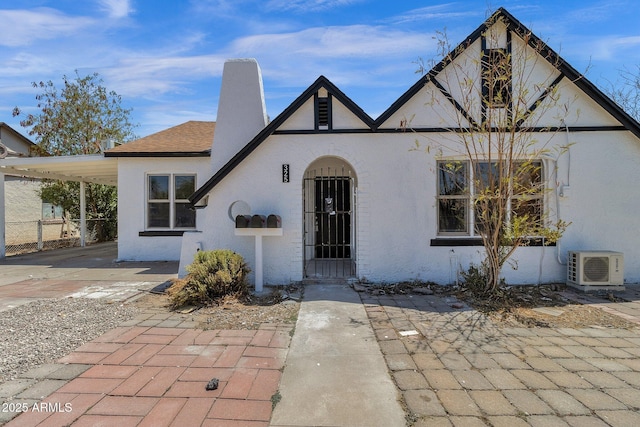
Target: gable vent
(323, 111)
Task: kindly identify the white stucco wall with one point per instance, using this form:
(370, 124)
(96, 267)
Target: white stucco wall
(132, 178)
(603, 198)
(396, 210)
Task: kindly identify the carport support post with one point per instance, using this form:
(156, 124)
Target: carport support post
(83, 215)
(3, 241)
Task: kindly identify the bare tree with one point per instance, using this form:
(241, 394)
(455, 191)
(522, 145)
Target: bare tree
(493, 95)
(626, 92)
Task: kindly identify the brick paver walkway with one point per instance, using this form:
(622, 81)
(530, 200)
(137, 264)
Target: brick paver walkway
(156, 376)
(452, 366)
(462, 369)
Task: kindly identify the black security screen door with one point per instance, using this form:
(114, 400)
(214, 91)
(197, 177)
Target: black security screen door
(329, 227)
(332, 217)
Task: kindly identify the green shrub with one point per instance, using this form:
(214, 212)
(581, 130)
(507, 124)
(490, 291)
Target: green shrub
(212, 275)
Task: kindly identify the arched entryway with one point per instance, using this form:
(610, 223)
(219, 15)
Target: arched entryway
(329, 234)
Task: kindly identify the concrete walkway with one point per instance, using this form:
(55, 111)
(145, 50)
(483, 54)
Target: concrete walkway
(335, 374)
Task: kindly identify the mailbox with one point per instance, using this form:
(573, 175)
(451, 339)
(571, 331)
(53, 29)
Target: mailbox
(258, 221)
(274, 221)
(242, 221)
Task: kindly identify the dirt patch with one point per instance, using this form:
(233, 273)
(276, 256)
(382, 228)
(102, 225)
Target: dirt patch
(277, 306)
(529, 306)
(572, 316)
(544, 306)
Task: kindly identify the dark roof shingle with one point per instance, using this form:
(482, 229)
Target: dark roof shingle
(193, 138)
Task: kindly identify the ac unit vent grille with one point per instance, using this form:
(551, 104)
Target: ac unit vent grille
(596, 269)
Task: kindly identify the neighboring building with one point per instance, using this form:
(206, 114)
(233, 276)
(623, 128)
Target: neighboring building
(22, 200)
(14, 144)
(23, 205)
(356, 200)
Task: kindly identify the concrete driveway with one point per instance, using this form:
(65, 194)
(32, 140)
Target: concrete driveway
(90, 272)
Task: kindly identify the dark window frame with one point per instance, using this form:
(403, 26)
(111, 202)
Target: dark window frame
(463, 193)
(177, 210)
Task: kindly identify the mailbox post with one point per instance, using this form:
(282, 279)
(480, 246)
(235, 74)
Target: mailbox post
(258, 230)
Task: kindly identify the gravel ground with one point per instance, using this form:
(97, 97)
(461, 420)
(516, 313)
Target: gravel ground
(46, 330)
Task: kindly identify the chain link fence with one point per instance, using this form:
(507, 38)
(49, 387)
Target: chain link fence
(33, 236)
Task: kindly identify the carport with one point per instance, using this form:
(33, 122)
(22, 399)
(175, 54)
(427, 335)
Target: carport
(93, 168)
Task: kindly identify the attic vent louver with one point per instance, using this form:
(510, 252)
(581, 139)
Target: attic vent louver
(323, 112)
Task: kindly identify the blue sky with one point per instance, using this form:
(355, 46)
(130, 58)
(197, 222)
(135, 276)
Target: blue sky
(165, 57)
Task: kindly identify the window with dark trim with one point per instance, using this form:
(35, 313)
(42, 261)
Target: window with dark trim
(457, 210)
(497, 78)
(453, 198)
(168, 204)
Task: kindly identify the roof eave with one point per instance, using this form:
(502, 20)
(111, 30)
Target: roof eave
(205, 153)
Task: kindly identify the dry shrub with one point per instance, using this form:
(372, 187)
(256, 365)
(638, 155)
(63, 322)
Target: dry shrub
(212, 275)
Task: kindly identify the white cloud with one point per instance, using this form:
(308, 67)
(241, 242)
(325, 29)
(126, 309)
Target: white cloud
(627, 42)
(356, 55)
(441, 12)
(153, 76)
(38, 24)
(592, 14)
(353, 55)
(23, 64)
(334, 42)
(116, 8)
(308, 5)
(609, 48)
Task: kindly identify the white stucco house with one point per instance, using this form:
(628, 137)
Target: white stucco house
(356, 199)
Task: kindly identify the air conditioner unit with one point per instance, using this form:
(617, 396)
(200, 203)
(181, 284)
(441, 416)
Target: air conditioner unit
(595, 269)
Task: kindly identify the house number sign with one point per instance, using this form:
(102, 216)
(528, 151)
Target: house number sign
(285, 173)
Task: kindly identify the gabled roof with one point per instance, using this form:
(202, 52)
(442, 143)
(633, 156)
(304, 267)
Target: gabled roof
(545, 51)
(512, 24)
(190, 139)
(321, 82)
(31, 147)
